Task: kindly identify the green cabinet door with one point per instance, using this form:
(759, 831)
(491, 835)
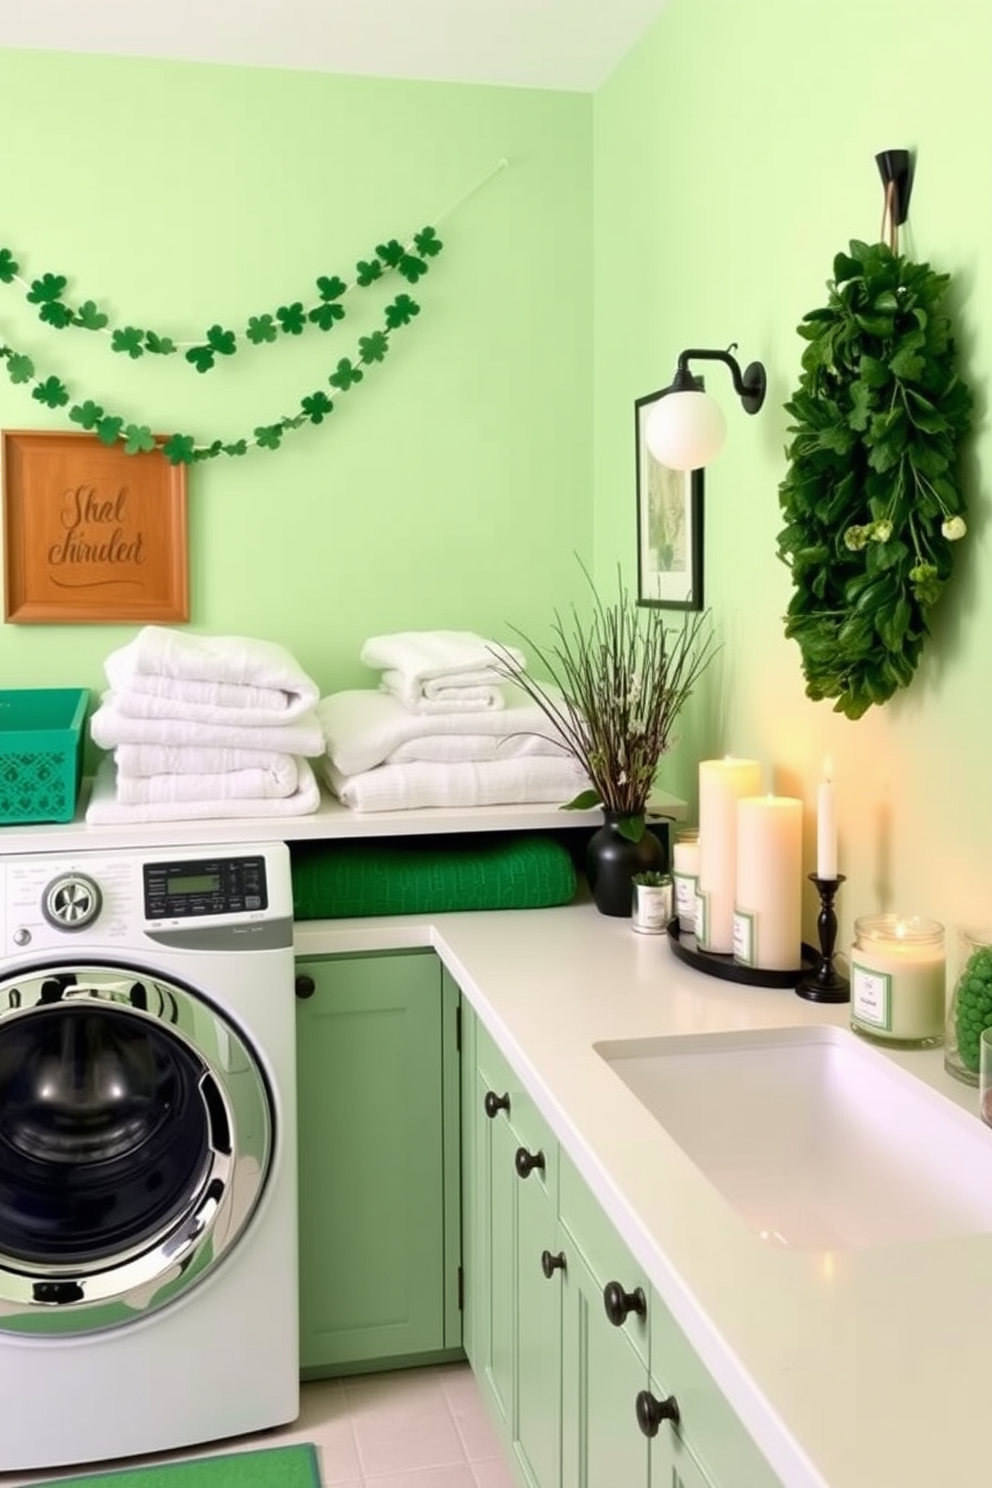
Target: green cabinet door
(604, 1361)
(513, 1307)
(379, 1168)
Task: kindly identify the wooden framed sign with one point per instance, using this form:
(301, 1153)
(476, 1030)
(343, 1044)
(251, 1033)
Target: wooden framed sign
(91, 535)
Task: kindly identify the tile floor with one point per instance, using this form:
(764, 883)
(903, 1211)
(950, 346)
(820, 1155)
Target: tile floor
(413, 1428)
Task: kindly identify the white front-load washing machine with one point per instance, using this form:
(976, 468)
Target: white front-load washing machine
(148, 1209)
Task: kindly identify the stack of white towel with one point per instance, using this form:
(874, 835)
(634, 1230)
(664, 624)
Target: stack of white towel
(204, 726)
(443, 729)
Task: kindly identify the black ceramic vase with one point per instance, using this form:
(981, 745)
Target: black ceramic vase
(612, 860)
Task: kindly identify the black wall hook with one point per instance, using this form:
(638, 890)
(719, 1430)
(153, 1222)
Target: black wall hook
(896, 166)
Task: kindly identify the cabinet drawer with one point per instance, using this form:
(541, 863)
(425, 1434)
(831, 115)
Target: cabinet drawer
(609, 1260)
(530, 1130)
(709, 1428)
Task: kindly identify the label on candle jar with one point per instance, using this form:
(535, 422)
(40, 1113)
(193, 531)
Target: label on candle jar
(743, 938)
(685, 900)
(871, 996)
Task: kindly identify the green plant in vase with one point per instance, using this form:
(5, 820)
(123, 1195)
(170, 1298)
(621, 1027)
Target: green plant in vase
(617, 681)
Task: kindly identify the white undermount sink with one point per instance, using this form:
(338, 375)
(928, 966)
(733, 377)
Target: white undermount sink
(818, 1140)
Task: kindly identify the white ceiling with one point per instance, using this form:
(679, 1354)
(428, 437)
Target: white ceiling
(567, 44)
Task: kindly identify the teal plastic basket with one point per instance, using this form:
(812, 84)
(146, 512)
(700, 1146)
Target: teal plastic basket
(41, 752)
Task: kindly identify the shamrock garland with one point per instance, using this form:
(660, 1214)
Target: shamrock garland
(47, 293)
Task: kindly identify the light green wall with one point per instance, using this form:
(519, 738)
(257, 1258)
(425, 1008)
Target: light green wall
(734, 156)
(452, 487)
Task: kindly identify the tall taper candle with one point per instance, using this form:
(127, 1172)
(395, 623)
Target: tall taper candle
(722, 783)
(826, 824)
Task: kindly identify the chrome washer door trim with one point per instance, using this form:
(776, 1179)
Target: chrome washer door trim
(54, 1297)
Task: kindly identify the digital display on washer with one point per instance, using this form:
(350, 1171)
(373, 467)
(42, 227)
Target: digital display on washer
(193, 883)
(211, 886)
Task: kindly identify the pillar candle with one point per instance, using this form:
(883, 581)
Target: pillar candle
(826, 824)
(768, 906)
(722, 783)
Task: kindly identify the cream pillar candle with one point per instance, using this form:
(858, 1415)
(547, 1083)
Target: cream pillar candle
(768, 905)
(898, 979)
(722, 783)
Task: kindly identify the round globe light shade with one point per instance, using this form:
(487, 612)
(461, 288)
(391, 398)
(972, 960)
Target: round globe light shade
(685, 430)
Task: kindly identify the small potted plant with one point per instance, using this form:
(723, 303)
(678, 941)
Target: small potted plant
(651, 902)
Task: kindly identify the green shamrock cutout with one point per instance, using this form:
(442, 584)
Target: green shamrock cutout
(51, 392)
(200, 357)
(367, 273)
(225, 343)
(292, 318)
(428, 243)
(8, 266)
(129, 340)
(49, 287)
(159, 345)
(346, 375)
(19, 368)
(87, 414)
(401, 312)
(179, 449)
(373, 348)
(138, 439)
(55, 314)
(108, 430)
(90, 318)
(317, 406)
(261, 328)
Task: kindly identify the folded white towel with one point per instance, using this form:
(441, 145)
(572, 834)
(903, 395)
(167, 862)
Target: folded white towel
(139, 760)
(456, 749)
(233, 785)
(105, 809)
(443, 695)
(262, 667)
(363, 727)
(422, 655)
(110, 727)
(136, 704)
(538, 780)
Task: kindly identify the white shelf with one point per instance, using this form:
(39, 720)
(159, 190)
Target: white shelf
(331, 821)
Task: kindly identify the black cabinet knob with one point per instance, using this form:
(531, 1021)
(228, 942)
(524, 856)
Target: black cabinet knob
(552, 1263)
(619, 1303)
(525, 1162)
(651, 1412)
(305, 987)
(494, 1103)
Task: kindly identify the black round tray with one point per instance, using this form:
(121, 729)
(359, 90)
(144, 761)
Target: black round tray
(714, 963)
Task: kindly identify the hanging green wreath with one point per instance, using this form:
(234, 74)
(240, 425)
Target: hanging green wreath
(872, 500)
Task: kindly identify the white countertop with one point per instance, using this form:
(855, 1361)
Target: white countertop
(850, 1368)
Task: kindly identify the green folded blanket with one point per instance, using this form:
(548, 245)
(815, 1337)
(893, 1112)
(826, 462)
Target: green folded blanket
(422, 875)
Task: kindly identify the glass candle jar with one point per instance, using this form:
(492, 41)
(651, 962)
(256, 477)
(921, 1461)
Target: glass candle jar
(971, 1005)
(685, 876)
(898, 977)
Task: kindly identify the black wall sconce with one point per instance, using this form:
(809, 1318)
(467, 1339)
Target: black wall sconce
(686, 428)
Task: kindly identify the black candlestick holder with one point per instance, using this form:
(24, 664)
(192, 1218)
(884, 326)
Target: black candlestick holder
(825, 984)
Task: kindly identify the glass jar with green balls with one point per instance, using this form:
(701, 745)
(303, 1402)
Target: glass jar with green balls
(971, 1004)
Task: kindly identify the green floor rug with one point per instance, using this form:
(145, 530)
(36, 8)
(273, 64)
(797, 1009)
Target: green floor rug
(272, 1467)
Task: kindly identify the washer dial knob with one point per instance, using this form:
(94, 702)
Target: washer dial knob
(72, 902)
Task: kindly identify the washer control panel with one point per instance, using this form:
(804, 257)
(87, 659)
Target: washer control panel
(204, 886)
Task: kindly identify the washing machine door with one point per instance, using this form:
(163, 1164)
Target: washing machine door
(136, 1133)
